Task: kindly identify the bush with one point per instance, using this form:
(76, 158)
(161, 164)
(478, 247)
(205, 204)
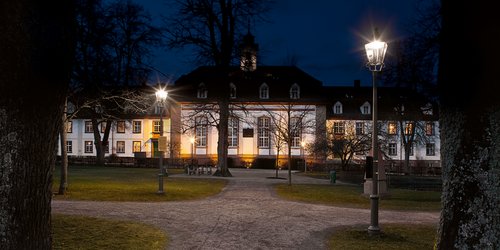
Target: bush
(264, 163)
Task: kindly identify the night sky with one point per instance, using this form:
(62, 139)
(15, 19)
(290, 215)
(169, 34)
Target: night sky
(326, 37)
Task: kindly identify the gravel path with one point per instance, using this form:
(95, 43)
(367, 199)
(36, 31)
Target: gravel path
(245, 215)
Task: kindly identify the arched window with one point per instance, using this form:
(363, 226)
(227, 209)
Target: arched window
(202, 91)
(296, 131)
(337, 108)
(365, 108)
(295, 91)
(232, 91)
(264, 91)
(263, 126)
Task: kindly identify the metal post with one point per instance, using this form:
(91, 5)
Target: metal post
(160, 175)
(374, 197)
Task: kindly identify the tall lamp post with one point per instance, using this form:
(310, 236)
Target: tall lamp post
(375, 52)
(303, 144)
(161, 96)
(192, 140)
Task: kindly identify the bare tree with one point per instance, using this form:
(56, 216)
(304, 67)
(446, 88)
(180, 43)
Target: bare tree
(213, 28)
(290, 122)
(349, 142)
(470, 131)
(36, 65)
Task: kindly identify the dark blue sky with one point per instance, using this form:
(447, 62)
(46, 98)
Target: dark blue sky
(326, 37)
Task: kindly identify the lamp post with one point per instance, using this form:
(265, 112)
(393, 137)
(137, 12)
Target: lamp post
(303, 144)
(161, 96)
(375, 52)
(192, 140)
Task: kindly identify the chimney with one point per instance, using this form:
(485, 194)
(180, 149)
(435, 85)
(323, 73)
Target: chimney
(357, 83)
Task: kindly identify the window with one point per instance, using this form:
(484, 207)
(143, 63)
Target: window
(360, 128)
(136, 127)
(69, 147)
(202, 91)
(393, 150)
(263, 124)
(120, 127)
(201, 126)
(409, 128)
(338, 128)
(89, 147)
(233, 132)
(430, 149)
(156, 127)
(264, 91)
(365, 108)
(392, 128)
(232, 91)
(295, 91)
(337, 108)
(427, 109)
(103, 126)
(88, 127)
(136, 146)
(429, 128)
(69, 127)
(106, 147)
(295, 125)
(120, 147)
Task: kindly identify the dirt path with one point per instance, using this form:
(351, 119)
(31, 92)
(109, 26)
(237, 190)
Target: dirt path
(246, 215)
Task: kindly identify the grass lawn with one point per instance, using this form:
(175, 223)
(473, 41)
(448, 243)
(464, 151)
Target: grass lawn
(80, 232)
(393, 236)
(350, 196)
(132, 184)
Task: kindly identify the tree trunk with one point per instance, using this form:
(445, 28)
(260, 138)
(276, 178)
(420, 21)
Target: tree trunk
(222, 143)
(469, 125)
(36, 51)
(63, 184)
(277, 161)
(289, 163)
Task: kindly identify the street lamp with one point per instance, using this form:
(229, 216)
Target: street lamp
(303, 144)
(192, 140)
(375, 52)
(161, 96)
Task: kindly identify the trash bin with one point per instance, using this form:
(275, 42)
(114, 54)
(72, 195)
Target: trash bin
(333, 176)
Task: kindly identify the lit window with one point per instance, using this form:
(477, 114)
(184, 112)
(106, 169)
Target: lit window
(393, 150)
(337, 108)
(392, 128)
(338, 128)
(89, 147)
(201, 127)
(69, 147)
(365, 108)
(409, 128)
(88, 127)
(295, 132)
(156, 127)
(263, 125)
(360, 128)
(202, 91)
(232, 91)
(120, 127)
(69, 127)
(136, 127)
(430, 149)
(120, 147)
(295, 91)
(233, 132)
(264, 91)
(103, 126)
(136, 146)
(429, 128)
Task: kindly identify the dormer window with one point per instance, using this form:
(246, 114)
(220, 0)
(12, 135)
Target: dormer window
(232, 91)
(202, 91)
(295, 91)
(264, 91)
(427, 109)
(365, 108)
(337, 108)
